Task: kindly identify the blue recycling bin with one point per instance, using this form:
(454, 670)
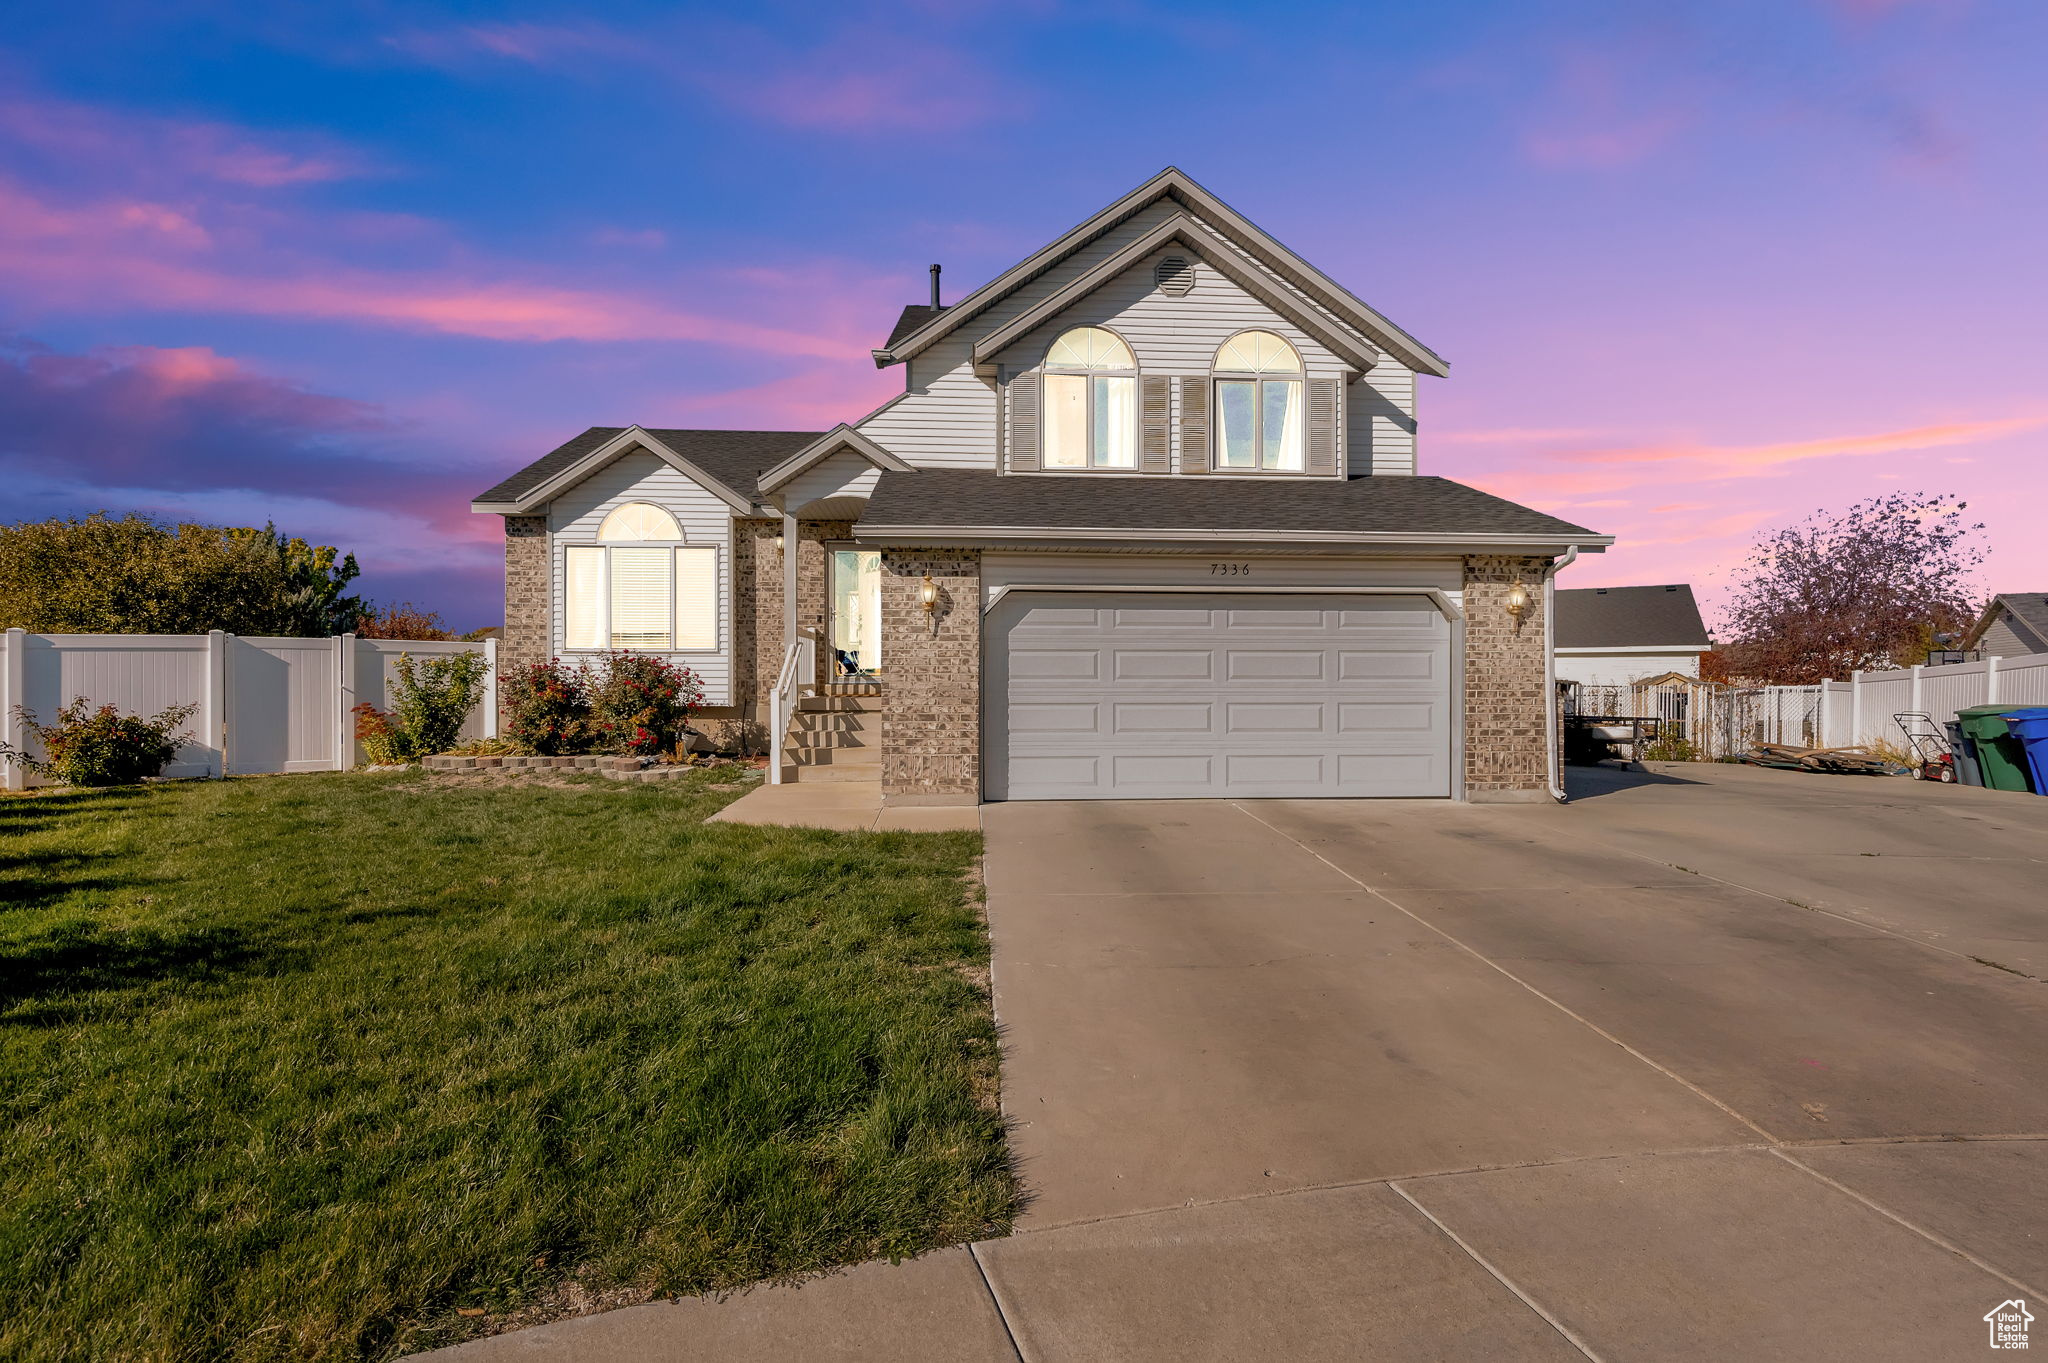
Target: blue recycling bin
(2030, 727)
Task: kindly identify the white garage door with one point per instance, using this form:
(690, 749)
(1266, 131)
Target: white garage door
(1165, 695)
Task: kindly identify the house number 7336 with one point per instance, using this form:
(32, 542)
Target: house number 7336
(1230, 569)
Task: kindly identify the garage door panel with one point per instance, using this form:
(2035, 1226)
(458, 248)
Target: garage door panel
(1164, 717)
(1355, 666)
(1275, 717)
(1174, 696)
(1164, 664)
(1160, 771)
(1365, 717)
(1275, 665)
(1029, 717)
(1055, 664)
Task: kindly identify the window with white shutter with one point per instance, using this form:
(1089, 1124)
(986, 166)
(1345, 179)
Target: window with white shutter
(635, 595)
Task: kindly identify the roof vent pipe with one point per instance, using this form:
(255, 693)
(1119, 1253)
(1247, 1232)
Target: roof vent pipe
(935, 287)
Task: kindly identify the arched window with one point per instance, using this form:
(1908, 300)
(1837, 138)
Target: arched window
(639, 521)
(1258, 404)
(640, 586)
(1091, 402)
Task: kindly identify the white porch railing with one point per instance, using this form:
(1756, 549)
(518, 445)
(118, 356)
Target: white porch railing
(799, 673)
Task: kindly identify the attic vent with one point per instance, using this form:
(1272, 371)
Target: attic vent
(1174, 276)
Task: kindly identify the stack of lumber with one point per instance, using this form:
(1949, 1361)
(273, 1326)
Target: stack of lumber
(1851, 761)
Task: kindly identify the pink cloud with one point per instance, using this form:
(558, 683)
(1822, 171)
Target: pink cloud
(124, 253)
(1726, 461)
(154, 148)
(857, 78)
(1594, 119)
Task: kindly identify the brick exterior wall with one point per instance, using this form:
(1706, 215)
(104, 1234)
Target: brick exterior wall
(931, 724)
(1506, 744)
(527, 589)
(757, 601)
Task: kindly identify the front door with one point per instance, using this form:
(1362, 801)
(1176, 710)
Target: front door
(856, 627)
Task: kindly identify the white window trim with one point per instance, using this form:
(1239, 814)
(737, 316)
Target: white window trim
(1088, 416)
(604, 597)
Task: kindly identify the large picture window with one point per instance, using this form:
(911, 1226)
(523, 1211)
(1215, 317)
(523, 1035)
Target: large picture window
(1259, 415)
(1091, 402)
(640, 587)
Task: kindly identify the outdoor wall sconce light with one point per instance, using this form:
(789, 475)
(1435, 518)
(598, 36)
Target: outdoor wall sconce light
(928, 594)
(1518, 601)
(778, 544)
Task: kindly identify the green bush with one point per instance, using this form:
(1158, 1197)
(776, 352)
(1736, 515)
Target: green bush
(1671, 750)
(432, 696)
(102, 747)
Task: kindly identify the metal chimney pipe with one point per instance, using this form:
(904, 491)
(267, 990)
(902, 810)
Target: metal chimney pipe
(935, 286)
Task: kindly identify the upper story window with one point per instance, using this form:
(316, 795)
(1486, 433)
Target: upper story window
(1259, 411)
(640, 586)
(1091, 402)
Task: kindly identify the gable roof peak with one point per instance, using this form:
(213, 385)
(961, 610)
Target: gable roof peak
(1175, 183)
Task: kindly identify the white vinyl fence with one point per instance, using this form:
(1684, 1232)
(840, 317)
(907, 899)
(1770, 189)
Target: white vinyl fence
(265, 705)
(1725, 721)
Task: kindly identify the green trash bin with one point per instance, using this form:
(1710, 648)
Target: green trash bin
(2000, 754)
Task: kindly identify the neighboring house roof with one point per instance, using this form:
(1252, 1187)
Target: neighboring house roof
(2026, 612)
(734, 458)
(1177, 185)
(975, 502)
(1629, 617)
(914, 316)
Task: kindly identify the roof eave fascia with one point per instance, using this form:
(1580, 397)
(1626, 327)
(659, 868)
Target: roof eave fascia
(1493, 543)
(1673, 649)
(1361, 355)
(612, 449)
(824, 447)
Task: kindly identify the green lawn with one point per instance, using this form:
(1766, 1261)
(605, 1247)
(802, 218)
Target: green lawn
(310, 1066)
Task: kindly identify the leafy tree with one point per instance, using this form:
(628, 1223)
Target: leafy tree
(139, 575)
(402, 620)
(1861, 588)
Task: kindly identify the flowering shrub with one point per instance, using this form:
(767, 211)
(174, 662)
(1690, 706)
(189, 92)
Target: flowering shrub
(641, 704)
(547, 707)
(102, 747)
(433, 697)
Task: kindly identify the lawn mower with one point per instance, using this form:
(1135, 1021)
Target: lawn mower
(1933, 761)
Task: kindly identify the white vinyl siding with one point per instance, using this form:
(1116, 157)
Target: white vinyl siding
(574, 519)
(948, 419)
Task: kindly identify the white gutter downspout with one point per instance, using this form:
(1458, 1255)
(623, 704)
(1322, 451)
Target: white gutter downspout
(1554, 778)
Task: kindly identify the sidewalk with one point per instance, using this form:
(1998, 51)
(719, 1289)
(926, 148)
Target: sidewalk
(845, 805)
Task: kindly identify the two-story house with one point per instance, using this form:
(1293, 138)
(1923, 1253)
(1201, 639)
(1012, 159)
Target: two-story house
(1144, 522)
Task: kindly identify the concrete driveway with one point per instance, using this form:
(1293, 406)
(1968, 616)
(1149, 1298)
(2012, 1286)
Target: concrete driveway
(1714, 1062)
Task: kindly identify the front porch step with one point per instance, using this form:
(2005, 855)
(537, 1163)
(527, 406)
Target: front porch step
(833, 773)
(849, 688)
(835, 740)
(863, 703)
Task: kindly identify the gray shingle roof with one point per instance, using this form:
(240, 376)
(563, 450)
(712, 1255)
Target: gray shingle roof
(914, 316)
(2029, 609)
(1629, 617)
(964, 498)
(735, 458)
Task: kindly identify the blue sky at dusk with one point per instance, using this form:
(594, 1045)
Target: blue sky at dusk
(1699, 269)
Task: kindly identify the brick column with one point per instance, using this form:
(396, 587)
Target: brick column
(1506, 734)
(931, 721)
(528, 628)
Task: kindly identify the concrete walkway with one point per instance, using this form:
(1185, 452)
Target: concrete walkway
(1714, 1063)
(846, 805)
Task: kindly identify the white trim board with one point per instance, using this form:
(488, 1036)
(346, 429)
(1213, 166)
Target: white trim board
(1437, 596)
